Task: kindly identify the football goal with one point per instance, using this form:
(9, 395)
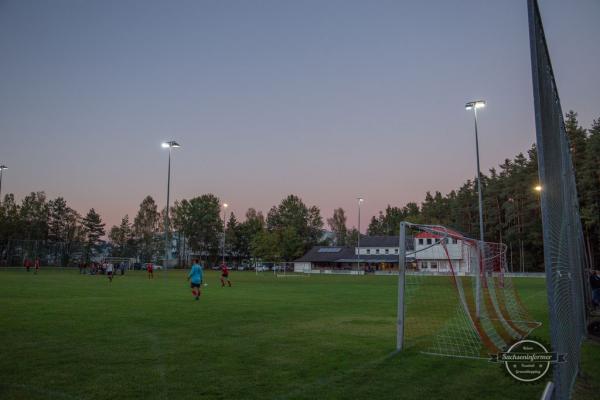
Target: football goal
(289, 270)
(123, 262)
(454, 296)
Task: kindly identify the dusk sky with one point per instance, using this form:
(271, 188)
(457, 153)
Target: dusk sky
(328, 100)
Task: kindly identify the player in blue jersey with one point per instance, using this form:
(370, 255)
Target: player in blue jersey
(196, 277)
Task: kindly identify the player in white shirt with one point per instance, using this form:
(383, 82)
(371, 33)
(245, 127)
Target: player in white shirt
(109, 271)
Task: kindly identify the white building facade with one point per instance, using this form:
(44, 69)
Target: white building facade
(430, 255)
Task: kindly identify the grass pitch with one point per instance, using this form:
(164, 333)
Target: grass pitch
(70, 336)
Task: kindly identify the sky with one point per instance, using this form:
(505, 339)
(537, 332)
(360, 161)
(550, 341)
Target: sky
(329, 100)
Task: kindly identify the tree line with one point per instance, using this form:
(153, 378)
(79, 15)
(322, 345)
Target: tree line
(511, 215)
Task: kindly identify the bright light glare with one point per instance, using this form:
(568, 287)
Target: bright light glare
(538, 188)
(171, 143)
(476, 104)
(225, 205)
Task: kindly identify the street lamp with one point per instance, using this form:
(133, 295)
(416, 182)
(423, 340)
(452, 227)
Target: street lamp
(168, 145)
(474, 105)
(360, 200)
(538, 188)
(225, 205)
(2, 168)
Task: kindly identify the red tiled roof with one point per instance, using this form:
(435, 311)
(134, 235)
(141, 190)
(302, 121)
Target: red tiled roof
(448, 232)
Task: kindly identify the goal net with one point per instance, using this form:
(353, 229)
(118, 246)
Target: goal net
(121, 263)
(289, 270)
(457, 299)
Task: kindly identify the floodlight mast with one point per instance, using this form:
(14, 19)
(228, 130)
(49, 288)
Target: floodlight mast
(2, 168)
(360, 200)
(168, 145)
(225, 205)
(474, 105)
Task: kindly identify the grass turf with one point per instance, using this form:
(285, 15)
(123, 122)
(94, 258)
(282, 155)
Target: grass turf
(70, 336)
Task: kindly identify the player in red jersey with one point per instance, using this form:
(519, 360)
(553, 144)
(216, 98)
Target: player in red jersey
(27, 264)
(150, 270)
(37, 265)
(225, 276)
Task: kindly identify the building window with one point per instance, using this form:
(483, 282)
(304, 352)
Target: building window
(396, 251)
(428, 241)
(376, 251)
(387, 251)
(368, 251)
(420, 241)
(433, 266)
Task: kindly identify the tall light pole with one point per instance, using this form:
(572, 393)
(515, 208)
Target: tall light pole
(225, 205)
(2, 168)
(168, 145)
(474, 105)
(359, 200)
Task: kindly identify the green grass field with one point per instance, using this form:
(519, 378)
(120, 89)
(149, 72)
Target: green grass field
(70, 336)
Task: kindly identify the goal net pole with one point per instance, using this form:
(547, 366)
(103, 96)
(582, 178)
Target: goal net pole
(401, 284)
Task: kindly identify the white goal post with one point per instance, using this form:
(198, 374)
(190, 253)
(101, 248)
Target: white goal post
(439, 271)
(120, 260)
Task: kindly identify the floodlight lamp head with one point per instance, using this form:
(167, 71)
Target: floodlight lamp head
(225, 205)
(3, 167)
(360, 199)
(475, 104)
(170, 144)
(538, 188)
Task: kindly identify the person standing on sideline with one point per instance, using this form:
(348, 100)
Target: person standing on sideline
(225, 275)
(150, 270)
(595, 286)
(27, 264)
(37, 265)
(195, 277)
(109, 271)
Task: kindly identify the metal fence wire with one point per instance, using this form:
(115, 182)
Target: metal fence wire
(564, 251)
(14, 252)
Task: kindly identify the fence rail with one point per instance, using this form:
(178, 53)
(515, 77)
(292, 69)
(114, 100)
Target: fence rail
(15, 252)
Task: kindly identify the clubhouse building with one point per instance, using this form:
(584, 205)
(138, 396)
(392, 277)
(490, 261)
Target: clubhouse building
(380, 254)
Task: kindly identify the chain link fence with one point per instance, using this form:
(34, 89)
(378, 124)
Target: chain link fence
(15, 252)
(564, 251)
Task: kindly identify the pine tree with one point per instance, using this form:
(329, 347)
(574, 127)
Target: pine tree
(93, 229)
(146, 230)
